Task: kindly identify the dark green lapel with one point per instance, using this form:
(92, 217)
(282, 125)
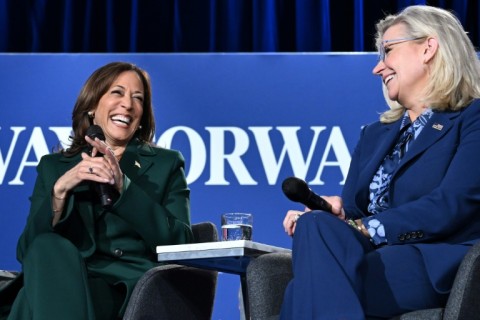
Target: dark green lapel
(136, 159)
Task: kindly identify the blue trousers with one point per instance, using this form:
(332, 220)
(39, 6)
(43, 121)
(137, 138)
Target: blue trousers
(339, 274)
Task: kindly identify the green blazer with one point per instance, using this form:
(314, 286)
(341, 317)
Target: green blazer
(118, 244)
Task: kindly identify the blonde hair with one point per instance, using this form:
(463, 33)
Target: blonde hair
(454, 71)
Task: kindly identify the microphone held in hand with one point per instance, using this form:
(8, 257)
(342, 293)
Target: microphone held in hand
(104, 190)
(297, 190)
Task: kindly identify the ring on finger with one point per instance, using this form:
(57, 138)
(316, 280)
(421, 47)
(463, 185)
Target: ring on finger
(90, 169)
(295, 218)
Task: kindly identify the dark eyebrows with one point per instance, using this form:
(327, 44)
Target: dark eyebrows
(124, 88)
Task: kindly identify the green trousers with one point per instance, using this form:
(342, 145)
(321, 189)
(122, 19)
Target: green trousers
(57, 285)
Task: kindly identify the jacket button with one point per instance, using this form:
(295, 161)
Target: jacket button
(118, 252)
(401, 237)
(420, 234)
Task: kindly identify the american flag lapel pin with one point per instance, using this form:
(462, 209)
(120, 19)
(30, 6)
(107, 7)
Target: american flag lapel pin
(137, 164)
(437, 126)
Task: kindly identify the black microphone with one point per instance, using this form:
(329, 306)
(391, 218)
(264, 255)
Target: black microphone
(297, 190)
(104, 190)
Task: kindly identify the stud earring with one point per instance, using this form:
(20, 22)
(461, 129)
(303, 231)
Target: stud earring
(91, 114)
(139, 128)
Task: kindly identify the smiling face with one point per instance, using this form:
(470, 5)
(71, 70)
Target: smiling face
(120, 109)
(403, 69)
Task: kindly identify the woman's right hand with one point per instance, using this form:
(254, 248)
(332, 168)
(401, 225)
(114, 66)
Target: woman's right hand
(337, 206)
(95, 169)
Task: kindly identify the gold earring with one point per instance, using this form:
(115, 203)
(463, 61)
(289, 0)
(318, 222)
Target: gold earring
(91, 114)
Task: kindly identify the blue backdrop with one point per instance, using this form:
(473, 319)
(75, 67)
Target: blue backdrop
(244, 123)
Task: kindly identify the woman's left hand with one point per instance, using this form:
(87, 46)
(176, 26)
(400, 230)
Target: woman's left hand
(290, 221)
(100, 146)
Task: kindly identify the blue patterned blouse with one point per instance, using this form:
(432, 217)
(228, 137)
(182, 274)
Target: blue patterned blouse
(380, 184)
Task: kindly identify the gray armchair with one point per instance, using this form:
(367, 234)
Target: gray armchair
(269, 274)
(175, 291)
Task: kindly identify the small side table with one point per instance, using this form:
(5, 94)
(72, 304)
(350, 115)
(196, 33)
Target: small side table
(224, 256)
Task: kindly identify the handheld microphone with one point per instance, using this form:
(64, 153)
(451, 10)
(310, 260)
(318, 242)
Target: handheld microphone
(297, 190)
(104, 190)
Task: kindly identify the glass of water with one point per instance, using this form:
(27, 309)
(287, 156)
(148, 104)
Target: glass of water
(237, 226)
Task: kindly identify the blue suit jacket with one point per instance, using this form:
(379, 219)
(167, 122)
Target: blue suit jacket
(434, 193)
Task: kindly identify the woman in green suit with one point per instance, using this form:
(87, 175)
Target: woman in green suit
(81, 258)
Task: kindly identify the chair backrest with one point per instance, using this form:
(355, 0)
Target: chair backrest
(267, 277)
(204, 232)
(269, 274)
(463, 300)
(174, 291)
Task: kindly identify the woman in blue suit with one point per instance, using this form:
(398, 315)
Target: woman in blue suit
(410, 208)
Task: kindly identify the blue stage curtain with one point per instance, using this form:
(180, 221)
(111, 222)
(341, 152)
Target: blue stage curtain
(4, 30)
(204, 25)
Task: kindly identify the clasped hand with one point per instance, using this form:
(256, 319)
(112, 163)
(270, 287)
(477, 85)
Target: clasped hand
(104, 169)
(290, 221)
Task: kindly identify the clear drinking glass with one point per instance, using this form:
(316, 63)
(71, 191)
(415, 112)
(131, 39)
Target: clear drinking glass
(237, 226)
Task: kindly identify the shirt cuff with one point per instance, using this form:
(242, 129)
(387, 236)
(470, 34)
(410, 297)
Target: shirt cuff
(376, 230)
